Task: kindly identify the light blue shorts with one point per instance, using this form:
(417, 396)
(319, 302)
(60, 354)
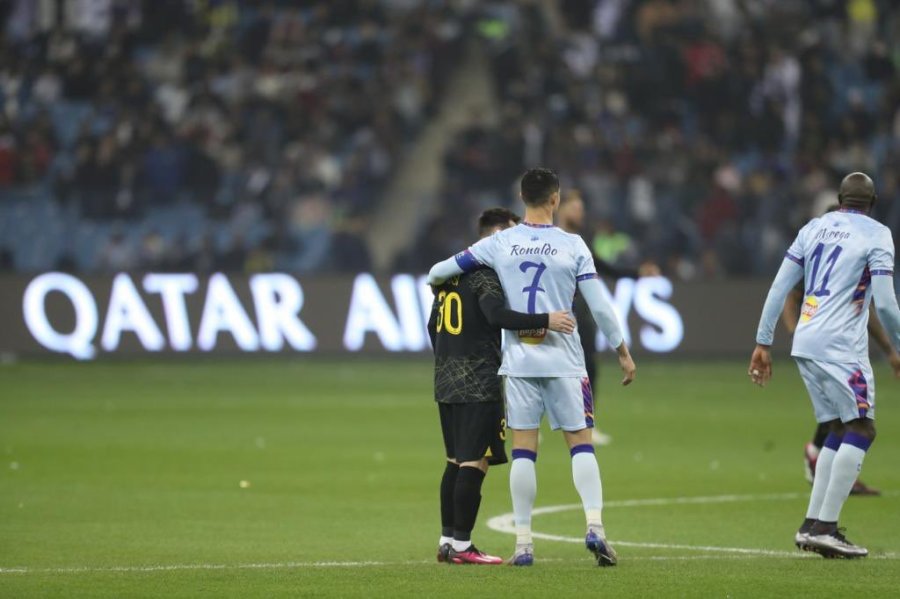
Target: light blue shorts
(568, 403)
(839, 391)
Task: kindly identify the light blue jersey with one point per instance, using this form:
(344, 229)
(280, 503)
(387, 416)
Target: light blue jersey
(539, 268)
(840, 252)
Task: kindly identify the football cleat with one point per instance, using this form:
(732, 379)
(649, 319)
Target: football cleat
(443, 552)
(524, 556)
(810, 456)
(472, 556)
(596, 543)
(834, 544)
(862, 489)
(801, 538)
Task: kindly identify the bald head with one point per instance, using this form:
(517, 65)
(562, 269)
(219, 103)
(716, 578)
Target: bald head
(857, 191)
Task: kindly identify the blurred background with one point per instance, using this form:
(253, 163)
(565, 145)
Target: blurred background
(329, 139)
(355, 135)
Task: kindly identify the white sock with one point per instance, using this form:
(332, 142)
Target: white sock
(586, 475)
(444, 540)
(460, 545)
(844, 472)
(820, 482)
(523, 488)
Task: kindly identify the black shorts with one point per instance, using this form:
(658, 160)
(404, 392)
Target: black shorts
(473, 431)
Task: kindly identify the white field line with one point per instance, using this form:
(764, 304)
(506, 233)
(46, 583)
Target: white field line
(306, 565)
(177, 567)
(501, 523)
(505, 523)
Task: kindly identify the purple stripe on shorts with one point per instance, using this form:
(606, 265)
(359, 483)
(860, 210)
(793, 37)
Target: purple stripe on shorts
(860, 388)
(588, 398)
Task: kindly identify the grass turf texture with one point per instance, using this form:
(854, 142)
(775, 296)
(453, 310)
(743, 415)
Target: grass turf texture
(138, 466)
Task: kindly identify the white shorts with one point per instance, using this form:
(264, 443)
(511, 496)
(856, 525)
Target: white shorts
(839, 391)
(568, 402)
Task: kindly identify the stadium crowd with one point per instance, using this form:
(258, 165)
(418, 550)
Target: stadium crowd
(166, 134)
(702, 133)
(256, 134)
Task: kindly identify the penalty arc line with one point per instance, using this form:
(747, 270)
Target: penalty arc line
(502, 523)
(505, 523)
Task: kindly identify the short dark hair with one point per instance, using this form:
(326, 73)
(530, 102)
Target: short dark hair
(495, 217)
(538, 184)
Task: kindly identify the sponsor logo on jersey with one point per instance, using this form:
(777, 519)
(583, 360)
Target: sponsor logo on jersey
(532, 336)
(809, 309)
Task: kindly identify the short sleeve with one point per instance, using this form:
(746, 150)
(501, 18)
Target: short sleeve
(584, 262)
(797, 251)
(881, 256)
(480, 254)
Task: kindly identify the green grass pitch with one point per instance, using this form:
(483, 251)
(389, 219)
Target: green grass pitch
(124, 479)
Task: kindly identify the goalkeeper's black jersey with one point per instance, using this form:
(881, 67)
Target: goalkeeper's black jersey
(466, 317)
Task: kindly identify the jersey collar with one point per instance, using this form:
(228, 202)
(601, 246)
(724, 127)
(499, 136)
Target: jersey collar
(536, 226)
(852, 211)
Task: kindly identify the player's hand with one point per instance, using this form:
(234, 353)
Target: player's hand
(561, 322)
(627, 364)
(760, 370)
(894, 359)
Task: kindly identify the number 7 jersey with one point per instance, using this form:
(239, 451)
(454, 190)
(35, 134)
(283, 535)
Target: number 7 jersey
(539, 268)
(840, 252)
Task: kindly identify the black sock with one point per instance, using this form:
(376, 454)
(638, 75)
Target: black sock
(448, 486)
(820, 434)
(467, 498)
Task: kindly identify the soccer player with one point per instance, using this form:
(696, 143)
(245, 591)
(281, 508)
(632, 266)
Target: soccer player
(540, 266)
(846, 259)
(465, 322)
(570, 217)
(789, 317)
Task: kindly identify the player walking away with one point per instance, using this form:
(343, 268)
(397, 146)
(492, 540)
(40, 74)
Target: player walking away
(570, 217)
(465, 322)
(790, 316)
(845, 259)
(540, 266)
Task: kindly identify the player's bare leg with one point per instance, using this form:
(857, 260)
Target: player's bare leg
(523, 488)
(586, 476)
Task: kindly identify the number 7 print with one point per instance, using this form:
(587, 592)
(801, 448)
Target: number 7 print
(533, 289)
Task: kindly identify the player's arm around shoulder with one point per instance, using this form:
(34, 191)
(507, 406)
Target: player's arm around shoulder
(492, 301)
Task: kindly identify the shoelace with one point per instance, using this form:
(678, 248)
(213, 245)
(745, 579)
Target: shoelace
(839, 535)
